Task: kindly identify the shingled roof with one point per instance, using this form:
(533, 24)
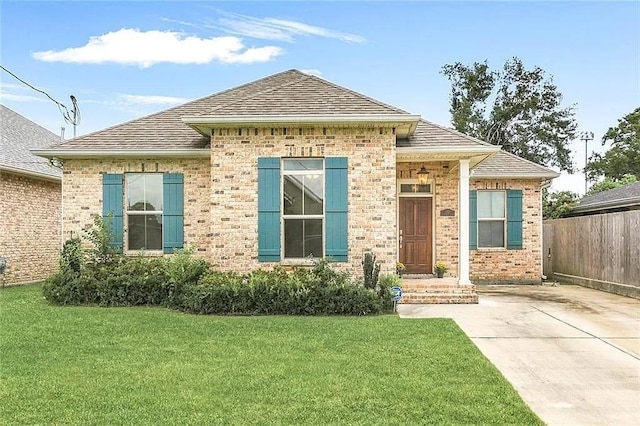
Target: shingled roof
(505, 164)
(18, 134)
(280, 94)
(432, 135)
(622, 198)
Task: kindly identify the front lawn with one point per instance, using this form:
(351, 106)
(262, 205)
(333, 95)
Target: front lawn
(91, 365)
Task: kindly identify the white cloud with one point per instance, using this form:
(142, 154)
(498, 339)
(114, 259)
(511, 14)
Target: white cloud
(146, 48)
(16, 93)
(315, 72)
(278, 29)
(152, 99)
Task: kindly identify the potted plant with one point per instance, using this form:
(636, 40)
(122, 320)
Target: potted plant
(400, 268)
(440, 268)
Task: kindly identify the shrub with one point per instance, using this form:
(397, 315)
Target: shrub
(99, 236)
(371, 269)
(72, 256)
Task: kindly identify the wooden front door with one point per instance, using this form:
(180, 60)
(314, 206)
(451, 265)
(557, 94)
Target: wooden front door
(416, 235)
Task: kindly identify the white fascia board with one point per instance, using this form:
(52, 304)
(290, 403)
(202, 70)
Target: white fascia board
(517, 175)
(604, 205)
(252, 120)
(30, 173)
(479, 150)
(99, 153)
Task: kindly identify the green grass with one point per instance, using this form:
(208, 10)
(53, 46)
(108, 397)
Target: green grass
(90, 365)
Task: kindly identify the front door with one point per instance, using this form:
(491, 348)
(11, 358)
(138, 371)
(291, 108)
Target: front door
(415, 234)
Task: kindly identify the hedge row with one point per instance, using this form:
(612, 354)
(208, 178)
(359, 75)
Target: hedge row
(188, 284)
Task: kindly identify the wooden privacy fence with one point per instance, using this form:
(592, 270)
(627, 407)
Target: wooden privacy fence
(599, 251)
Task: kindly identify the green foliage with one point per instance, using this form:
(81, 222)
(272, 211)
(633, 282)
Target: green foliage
(385, 283)
(608, 183)
(100, 238)
(188, 284)
(623, 158)
(72, 256)
(556, 205)
(517, 108)
(371, 269)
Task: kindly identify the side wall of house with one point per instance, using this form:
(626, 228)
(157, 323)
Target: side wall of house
(30, 224)
(501, 266)
(371, 189)
(82, 192)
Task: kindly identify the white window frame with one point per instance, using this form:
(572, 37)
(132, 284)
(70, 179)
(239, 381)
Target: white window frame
(503, 219)
(284, 173)
(128, 212)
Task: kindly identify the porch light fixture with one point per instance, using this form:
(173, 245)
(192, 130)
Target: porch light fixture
(423, 176)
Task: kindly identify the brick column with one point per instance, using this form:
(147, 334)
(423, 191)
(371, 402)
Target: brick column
(463, 224)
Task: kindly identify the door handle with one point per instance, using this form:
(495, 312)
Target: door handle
(400, 240)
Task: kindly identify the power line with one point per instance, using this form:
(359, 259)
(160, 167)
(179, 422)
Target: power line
(71, 117)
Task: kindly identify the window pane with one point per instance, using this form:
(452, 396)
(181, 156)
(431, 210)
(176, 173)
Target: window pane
(144, 191)
(491, 233)
(303, 164)
(313, 237)
(292, 194)
(145, 232)
(293, 237)
(313, 194)
(415, 188)
(491, 204)
(302, 238)
(135, 192)
(153, 191)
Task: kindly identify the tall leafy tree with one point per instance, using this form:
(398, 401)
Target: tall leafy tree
(514, 107)
(558, 204)
(623, 158)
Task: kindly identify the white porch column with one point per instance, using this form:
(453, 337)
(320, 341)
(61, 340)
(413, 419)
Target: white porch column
(463, 223)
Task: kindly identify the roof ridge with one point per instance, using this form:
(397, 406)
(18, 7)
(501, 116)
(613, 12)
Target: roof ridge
(353, 92)
(455, 132)
(174, 107)
(301, 77)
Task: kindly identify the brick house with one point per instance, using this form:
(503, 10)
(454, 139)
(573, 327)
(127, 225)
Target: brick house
(30, 201)
(292, 166)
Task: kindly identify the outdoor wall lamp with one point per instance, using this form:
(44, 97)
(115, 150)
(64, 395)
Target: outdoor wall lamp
(423, 176)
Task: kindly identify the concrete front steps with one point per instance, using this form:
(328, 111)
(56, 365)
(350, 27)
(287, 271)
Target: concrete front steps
(436, 291)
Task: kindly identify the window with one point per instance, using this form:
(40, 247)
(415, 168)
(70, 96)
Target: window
(144, 207)
(303, 207)
(491, 218)
(414, 188)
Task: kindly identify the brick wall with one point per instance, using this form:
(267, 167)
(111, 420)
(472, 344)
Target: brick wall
(501, 266)
(371, 189)
(82, 192)
(30, 227)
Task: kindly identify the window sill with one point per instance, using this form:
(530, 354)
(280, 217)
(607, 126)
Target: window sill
(144, 253)
(490, 249)
(298, 262)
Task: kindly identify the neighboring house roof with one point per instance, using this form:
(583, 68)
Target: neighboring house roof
(19, 134)
(623, 197)
(504, 164)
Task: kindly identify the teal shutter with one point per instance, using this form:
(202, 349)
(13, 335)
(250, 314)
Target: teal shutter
(268, 209)
(514, 219)
(473, 220)
(336, 208)
(112, 196)
(172, 212)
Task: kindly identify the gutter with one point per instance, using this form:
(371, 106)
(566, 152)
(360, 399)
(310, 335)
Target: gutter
(604, 205)
(100, 153)
(517, 175)
(471, 151)
(30, 174)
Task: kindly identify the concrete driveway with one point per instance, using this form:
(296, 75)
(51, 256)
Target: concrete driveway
(572, 353)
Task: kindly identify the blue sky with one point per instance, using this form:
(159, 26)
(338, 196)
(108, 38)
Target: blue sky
(123, 60)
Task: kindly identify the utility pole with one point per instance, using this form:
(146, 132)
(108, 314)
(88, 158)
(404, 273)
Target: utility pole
(586, 137)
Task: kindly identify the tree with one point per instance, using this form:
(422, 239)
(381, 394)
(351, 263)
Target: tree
(558, 204)
(623, 158)
(608, 183)
(516, 108)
